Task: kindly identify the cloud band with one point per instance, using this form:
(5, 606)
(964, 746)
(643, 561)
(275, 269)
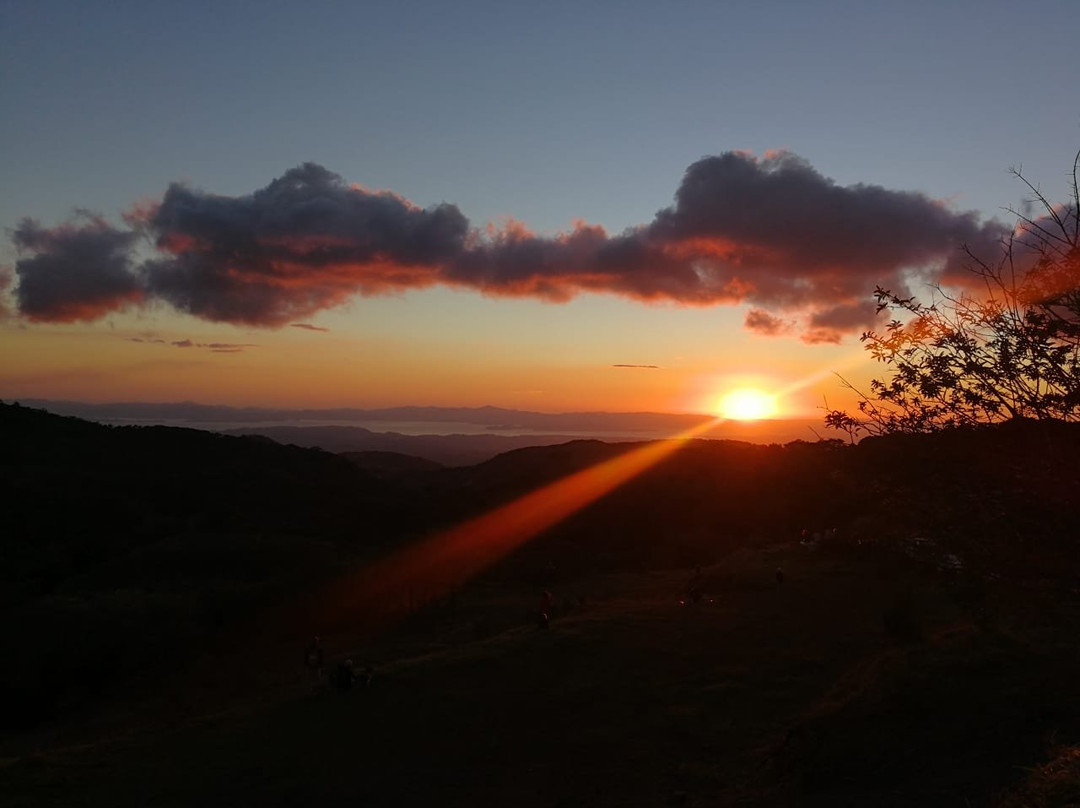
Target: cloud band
(770, 232)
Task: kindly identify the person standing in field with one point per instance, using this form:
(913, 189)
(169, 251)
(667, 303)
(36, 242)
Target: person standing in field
(544, 615)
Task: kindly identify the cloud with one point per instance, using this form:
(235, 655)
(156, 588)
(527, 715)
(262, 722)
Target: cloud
(5, 284)
(226, 347)
(215, 347)
(761, 322)
(1025, 249)
(304, 243)
(650, 367)
(833, 323)
(770, 232)
(309, 327)
(81, 270)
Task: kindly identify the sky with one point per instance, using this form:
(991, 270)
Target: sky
(557, 207)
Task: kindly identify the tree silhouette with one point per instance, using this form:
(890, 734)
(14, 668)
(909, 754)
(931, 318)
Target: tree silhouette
(1007, 345)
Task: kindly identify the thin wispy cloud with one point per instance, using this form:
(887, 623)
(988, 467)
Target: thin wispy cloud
(215, 347)
(649, 367)
(770, 232)
(309, 327)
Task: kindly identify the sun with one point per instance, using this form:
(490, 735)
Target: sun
(747, 404)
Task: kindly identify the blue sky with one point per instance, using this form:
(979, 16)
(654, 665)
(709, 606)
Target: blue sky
(540, 111)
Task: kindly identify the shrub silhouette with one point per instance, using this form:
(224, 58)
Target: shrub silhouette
(1007, 346)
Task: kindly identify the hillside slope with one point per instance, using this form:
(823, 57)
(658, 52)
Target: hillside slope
(122, 542)
(802, 693)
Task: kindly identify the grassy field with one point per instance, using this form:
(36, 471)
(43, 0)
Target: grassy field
(864, 679)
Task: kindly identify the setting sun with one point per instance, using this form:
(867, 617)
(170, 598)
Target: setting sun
(747, 404)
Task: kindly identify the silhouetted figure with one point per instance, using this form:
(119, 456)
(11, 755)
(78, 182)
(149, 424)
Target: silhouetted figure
(544, 615)
(313, 659)
(779, 576)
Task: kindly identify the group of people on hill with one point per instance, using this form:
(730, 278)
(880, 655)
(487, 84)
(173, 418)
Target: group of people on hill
(344, 676)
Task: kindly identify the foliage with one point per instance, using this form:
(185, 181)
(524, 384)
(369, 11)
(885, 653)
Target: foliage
(1006, 346)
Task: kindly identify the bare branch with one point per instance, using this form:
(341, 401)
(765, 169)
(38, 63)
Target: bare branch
(1012, 350)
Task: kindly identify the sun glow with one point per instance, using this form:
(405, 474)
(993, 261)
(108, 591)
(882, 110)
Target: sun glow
(747, 404)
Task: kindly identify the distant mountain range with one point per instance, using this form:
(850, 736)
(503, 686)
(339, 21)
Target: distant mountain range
(452, 436)
(446, 450)
(489, 417)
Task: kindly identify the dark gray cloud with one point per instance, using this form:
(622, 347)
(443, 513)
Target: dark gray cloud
(770, 232)
(81, 270)
(831, 324)
(304, 243)
(309, 327)
(1035, 239)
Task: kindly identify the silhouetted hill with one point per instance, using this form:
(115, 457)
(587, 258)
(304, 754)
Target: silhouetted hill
(69, 478)
(864, 679)
(1001, 497)
(446, 450)
(390, 464)
(119, 542)
(928, 632)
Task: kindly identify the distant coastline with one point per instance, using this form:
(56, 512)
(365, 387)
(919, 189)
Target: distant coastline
(453, 435)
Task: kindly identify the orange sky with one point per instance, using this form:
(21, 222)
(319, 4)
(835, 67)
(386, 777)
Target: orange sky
(432, 348)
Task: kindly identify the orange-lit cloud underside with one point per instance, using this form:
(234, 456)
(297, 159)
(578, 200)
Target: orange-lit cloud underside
(437, 565)
(771, 232)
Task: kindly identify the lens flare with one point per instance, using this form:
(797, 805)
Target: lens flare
(378, 594)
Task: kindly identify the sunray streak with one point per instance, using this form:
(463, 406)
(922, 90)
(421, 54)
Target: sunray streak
(853, 360)
(373, 596)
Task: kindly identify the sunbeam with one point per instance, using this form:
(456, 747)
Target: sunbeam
(434, 566)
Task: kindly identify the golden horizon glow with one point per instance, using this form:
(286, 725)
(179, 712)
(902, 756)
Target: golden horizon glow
(747, 404)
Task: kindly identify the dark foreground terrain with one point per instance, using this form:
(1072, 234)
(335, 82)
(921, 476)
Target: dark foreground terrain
(924, 654)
